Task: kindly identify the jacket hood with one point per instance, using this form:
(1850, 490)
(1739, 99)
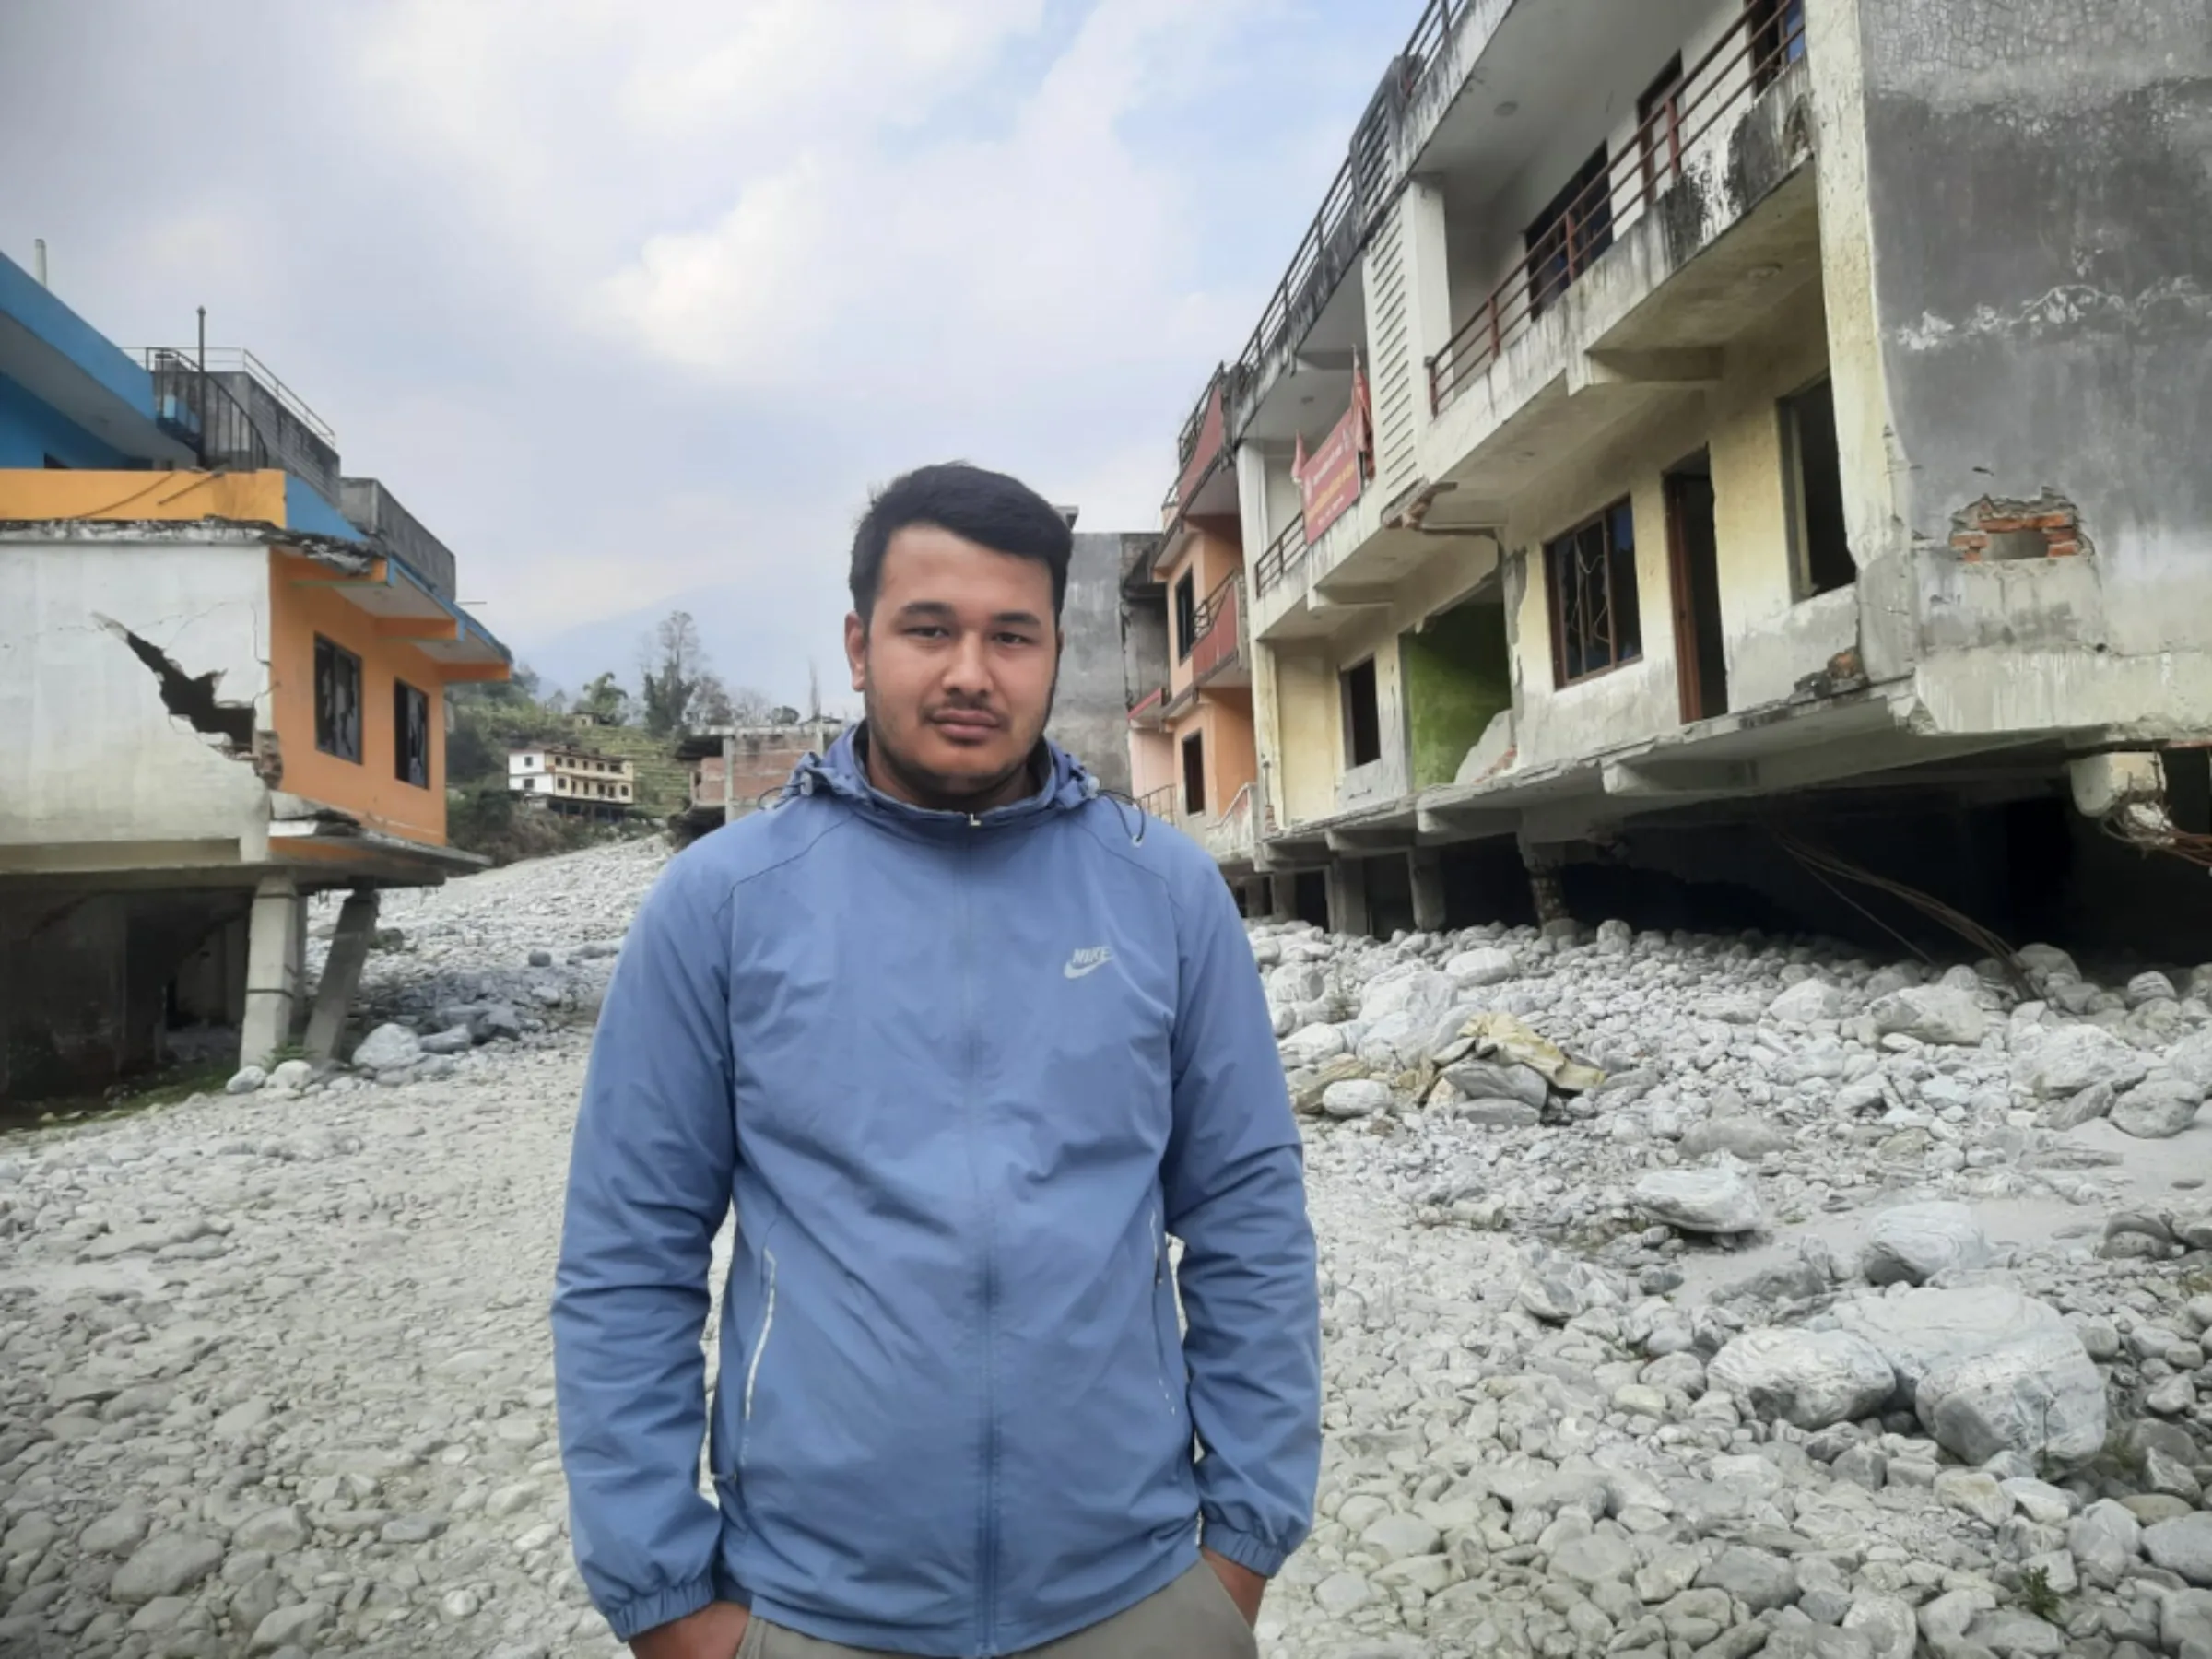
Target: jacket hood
(1067, 787)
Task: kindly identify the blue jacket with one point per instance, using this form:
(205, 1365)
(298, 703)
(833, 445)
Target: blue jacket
(961, 1077)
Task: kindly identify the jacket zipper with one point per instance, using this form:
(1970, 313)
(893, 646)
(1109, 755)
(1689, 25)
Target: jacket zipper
(987, 1519)
(752, 1369)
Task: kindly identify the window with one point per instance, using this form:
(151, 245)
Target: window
(1820, 549)
(1186, 615)
(1591, 572)
(1362, 715)
(1659, 128)
(411, 735)
(1570, 233)
(1777, 37)
(530, 783)
(1194, 772)
(337, 700)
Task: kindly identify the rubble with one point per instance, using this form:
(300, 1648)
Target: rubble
(1678, 1300)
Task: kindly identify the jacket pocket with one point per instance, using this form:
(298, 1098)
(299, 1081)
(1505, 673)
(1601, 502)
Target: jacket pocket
(755, 1360)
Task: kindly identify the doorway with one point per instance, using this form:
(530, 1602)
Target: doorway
(1194, 774)
(1694, 568)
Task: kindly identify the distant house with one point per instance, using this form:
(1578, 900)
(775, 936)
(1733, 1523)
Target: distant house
(737, 770)
(577, 780)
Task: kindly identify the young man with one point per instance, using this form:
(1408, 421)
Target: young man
(964, 1044)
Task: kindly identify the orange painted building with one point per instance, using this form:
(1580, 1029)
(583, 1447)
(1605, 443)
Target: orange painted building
(221, 695)
(1193, 756)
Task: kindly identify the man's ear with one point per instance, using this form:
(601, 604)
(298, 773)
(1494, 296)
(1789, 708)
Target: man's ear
(856, 649)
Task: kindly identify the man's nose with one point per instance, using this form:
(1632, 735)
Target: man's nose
(969, 673)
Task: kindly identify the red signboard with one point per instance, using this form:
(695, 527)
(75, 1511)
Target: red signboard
(1330, 479)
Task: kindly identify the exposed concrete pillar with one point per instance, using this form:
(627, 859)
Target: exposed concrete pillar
(1258, 897)
(729, 777)
(341, 974)
(272, 954)
(1282, 898)
(1428, 889)
(1544, 889)
(1347, 897)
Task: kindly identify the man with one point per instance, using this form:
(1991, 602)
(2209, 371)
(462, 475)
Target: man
(964, 1044)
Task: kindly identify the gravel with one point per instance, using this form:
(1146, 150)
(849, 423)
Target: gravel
(1804, 1329)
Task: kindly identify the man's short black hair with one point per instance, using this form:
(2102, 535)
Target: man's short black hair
(987, 507)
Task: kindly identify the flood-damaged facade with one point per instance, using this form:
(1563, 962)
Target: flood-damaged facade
(219, 694)
(1678, 408)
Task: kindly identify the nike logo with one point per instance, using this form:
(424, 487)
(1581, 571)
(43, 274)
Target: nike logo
(1087, 962)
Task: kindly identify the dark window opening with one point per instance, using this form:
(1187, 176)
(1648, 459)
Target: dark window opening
(1659, 128)
(1569, 234)
(337, 700)
(1590, 571)
(1194, 772)
(411, 735)
(1777, 37)
(1362, 715)
(1186, 615)
(1816, 479)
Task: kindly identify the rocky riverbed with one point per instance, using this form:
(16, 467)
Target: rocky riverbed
(1683, 1296)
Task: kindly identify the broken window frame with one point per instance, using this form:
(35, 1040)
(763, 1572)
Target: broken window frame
(337, 700)
(1820, 561)
(1360, 689)
(1590, 584)
(411, 735)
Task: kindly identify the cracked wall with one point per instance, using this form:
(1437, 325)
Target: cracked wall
(2041, 214)
(91, 749)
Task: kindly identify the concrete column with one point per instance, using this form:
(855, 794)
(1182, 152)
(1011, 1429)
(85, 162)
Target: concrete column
(1259, 898)
(1282, 898)
(273, 952)
(341, 974)
(1544, 891)
(729, 776)
(1347, 897)
(1428, 889)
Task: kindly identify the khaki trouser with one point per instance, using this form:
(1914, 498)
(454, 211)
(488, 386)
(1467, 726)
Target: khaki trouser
(1192, 1618)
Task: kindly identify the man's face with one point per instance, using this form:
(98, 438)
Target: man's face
(958, 662)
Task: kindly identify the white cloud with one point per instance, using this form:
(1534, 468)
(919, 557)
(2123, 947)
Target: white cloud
(964, 272)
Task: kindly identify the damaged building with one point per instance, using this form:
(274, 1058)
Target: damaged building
(1733, 439)
(223, 670)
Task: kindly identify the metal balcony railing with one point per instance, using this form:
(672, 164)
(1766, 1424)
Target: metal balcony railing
(1216, 642)
(1159, 803)
(1741, 63)
(1355, 195)
(1284, 554)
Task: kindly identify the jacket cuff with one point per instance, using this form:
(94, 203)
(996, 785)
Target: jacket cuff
(1254, 1553)
(663, 1607)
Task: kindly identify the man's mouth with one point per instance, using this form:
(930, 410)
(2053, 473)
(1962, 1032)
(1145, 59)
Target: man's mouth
(965, 725)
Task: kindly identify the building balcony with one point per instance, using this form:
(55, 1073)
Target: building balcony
(1220, 652)
(397, 532)
(1628, 290)
(235, 413)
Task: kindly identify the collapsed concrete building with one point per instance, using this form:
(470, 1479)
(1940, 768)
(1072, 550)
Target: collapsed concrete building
(1680, 417)
(220, 693)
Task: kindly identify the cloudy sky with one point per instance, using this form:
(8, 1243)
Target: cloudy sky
(631, 304)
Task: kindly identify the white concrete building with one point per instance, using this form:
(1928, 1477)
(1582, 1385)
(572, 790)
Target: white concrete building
(573, 779)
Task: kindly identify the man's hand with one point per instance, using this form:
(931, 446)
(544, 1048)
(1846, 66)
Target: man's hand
(1244, 1586)
(715, 1631)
